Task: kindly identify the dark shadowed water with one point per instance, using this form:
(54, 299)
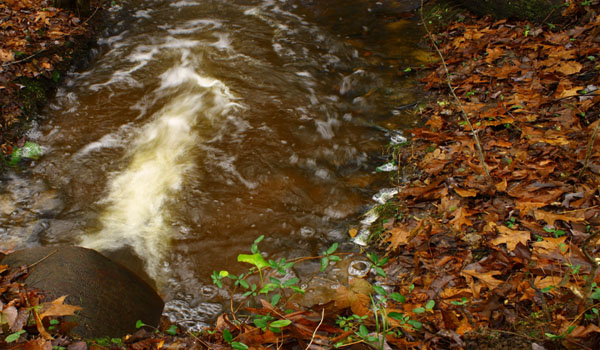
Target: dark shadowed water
(201, 125)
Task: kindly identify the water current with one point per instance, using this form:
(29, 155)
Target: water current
(201, 125)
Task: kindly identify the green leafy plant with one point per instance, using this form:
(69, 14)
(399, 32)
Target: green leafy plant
(327, 256)
(14, 336)
(30, 150)
(228, 337)
(462, 302)
(555, 232)
(378, 263)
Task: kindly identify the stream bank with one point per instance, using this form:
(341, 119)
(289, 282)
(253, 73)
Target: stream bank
(39, 45)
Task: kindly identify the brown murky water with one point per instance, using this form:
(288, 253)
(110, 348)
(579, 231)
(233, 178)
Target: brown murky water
(201, 125)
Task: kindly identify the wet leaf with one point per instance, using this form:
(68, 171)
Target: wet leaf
(57, 308)
(254, 259)
(356, 297)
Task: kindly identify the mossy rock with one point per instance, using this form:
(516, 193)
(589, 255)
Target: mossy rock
(112, 297)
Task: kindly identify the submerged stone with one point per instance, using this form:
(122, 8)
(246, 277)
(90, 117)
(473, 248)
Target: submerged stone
(112, 297)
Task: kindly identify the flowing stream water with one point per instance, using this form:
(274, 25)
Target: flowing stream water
(201, 125)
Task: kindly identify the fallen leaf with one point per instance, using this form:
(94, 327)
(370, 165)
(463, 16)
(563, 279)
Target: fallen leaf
(511, 237)
(8, 316)
(485, 277)
(357, 297)
(460, 219)
(501, 186)
(569, 67)
(550, 218)
(398, 236)
(57, 308)
(39, 344)
(465, 193)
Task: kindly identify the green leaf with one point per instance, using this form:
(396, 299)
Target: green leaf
(54, 322)
(297, 289)
(334, 258)
(139, 324)
(363, 331)
(259, 239)
(373, 257)
(595, 294)
(419, 310)
(380, 271)
(16, 156)
(223, 273)
(32, 150)
(275, 299)
(332, 249)
(324, 263)
(398, 297)
(268, 288)
(416, 324)
(227, 336)
(291, 282)
(244, 283)
(172, 330)
(280, 323)
(379, 290)
(396, 315)
(260, 323)
(14, 336)
(239, 346)
(254, 259)
(463, 301)
(430, 304)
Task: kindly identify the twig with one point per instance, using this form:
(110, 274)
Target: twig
(462, 110)
(316, 329)
(42, 259)
(588, 154)
(23, 59)
(198, 339)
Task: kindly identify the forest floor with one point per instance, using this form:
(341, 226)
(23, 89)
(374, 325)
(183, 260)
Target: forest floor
(492, 242)
(38, 44)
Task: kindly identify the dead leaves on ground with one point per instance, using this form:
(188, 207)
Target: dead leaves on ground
(35, 40)
(532, 94)
(20, 308)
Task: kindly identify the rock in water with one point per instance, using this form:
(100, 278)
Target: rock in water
(112, 297)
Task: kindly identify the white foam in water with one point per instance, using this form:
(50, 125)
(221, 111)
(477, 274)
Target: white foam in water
(111, 140)
(136, 212)
(385, 195)
(180, 4)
